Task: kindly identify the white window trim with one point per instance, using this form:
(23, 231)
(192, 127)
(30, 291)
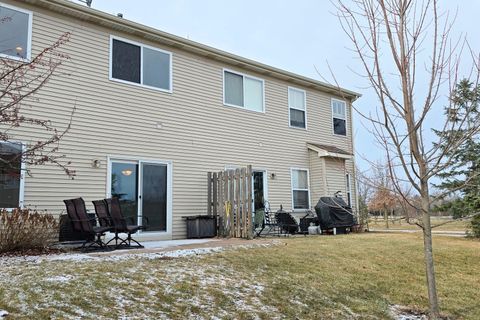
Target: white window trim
(346, 117)
(21, 195)
(29, 38)
(244, 76)
(348, 187)
(289, 107)
(291, 188)
(141, 45)
(138, 160)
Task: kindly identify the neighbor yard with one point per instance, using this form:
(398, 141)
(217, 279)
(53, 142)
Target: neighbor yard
(452, 225)
(356, 276)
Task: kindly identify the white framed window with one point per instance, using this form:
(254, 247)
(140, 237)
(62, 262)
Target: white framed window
(300, 188)
(297, 106)
(15, 32)
(349, 189)
(11, 175)
(243, 91)
(139, 64)
(339, 117)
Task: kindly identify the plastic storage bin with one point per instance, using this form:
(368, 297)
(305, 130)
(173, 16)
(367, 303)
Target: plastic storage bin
(201, 226)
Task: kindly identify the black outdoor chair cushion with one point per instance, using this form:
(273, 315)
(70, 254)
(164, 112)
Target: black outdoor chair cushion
(286, 222)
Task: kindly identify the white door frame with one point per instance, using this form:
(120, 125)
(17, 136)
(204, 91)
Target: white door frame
(265, 186)
(139, 161)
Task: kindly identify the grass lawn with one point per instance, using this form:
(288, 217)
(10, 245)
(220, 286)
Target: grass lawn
(323, 277)
(455, 225)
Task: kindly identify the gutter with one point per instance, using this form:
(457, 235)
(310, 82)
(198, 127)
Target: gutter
(120, 24)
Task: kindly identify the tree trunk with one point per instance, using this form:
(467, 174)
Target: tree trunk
(385, 215)
(428, 252)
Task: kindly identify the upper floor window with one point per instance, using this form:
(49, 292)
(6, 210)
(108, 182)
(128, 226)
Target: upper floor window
(139, 64)
(300, 189)
(15, 32)
(10, 175)
(243, 91)
(297, 108)
(339, 116)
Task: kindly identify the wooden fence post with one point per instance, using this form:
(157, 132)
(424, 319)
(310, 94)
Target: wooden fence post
(231, 192)
(244, 198)
(209, 193)
(250, 202)
(220, 214)
(215, 193)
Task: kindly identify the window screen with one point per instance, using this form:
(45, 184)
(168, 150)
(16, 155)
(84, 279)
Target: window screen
(14, 33)
(126, 61)
(233, 89)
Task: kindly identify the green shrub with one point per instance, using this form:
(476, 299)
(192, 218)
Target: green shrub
(474, 228)
(26, 229)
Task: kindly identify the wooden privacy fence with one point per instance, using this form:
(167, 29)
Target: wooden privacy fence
(230, 199)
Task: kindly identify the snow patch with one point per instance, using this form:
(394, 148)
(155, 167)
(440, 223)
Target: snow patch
(3, 313)
(402, 313)
(61, 279)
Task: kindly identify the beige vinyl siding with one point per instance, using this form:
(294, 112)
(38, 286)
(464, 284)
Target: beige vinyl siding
(316, 177)
(198, 133)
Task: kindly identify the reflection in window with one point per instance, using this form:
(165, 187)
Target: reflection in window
(10, 174)
(14, 32)
(125, 187)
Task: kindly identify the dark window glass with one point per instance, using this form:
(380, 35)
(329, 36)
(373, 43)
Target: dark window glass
(14, 33)
(10, 174)
(154, 196)
(297, 118)
(125, 61)
(300, 199)
(233, 89)
(339, 126)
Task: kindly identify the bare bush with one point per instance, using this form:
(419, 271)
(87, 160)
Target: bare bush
(26, 229)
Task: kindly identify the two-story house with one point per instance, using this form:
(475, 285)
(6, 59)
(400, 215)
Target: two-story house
(156, 112)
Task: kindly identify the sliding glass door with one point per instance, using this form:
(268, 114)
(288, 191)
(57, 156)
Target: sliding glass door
(154, 195)
(143, 190)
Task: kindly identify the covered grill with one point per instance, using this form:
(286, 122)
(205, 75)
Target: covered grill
(333, 212)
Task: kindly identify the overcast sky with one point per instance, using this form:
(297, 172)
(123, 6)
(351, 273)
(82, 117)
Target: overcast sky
(293, 35)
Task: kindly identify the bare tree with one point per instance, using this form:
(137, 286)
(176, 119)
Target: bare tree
(407, 55)
(20, 81)
(383, 199)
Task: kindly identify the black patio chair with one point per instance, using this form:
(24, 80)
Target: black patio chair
(120, 224)
(286, 222)
(269, 223)
(81, 222)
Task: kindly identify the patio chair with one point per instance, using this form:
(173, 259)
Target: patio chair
(269, 223)
(120, 225)
(286, 222)
(81, 222)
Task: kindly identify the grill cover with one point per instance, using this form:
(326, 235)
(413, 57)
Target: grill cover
(334, 213)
